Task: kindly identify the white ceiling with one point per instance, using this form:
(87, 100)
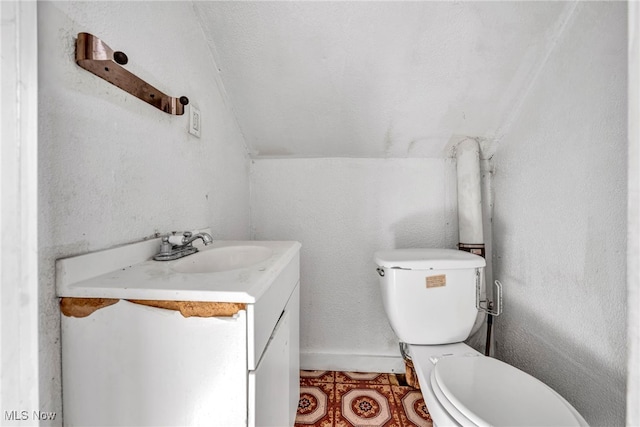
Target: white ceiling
(376, 79)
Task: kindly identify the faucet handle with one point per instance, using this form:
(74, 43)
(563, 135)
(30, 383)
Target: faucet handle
(165, 246)
(177, 239)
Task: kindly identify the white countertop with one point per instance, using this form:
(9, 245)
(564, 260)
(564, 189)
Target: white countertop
(128, 272)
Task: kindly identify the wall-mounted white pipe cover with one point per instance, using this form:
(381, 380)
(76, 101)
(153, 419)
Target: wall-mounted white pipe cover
(469, 192)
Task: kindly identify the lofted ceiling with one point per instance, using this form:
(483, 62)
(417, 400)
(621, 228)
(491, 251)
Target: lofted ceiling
(376, 79)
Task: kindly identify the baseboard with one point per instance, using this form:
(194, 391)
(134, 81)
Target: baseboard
(351, 363)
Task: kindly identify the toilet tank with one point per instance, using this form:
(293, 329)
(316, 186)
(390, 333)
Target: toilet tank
(429, 294)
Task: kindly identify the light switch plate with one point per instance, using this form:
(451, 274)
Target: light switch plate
(195, 121)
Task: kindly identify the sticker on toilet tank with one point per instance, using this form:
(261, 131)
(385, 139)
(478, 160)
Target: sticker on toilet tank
(437, 281)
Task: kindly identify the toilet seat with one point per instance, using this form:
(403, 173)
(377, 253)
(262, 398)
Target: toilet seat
(483, 391)
(451, 411)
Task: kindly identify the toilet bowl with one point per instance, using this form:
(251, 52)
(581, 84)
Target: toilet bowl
(429, 296)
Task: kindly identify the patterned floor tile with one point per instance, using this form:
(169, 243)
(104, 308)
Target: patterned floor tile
(353, 399)
(361, 378)
(365, 405)
(312, 377)
(412, 409)
(316, 406)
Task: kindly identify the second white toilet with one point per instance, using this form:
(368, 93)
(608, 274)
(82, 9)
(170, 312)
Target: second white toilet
(429, 296)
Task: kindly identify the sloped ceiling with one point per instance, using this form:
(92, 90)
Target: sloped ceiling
(376, 79)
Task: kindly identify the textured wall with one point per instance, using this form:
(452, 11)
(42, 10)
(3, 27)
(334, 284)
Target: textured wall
(114, 169)
(559, 224)
(342, 211)
(633, 234)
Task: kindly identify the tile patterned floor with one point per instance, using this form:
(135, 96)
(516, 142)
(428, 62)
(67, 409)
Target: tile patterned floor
(345, 399)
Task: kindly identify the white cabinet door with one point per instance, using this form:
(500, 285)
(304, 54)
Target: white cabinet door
(293, 307)
(269, 383)
(132, 365)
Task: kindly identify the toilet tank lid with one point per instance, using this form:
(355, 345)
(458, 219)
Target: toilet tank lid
(428, 259)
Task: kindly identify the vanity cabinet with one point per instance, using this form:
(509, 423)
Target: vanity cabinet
(131, 364)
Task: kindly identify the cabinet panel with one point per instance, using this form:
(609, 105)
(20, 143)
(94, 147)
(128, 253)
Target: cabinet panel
(269, 383)
(294, 354)
(263, 315)
(128, 364)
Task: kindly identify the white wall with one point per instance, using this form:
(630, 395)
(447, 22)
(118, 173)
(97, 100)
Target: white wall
(343, 210)
(633, 233)
(559, 224)
(114, 169)
(18, 211)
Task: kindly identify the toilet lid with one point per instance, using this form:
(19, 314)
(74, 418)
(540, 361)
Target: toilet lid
(489, 392)
(428, 259)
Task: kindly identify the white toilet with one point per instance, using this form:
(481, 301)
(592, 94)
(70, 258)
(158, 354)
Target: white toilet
(429, 296)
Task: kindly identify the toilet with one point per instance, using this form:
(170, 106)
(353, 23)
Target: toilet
(429, 296)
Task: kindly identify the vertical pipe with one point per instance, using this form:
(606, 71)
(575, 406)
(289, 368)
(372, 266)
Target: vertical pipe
(487, 344)
(470, 207)
(469, 197)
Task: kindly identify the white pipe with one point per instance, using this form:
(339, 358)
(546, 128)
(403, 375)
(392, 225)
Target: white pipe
(470, 207)
(469, 192)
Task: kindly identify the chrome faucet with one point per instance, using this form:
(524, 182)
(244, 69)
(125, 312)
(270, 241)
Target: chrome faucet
(188, 238)
(170, 251)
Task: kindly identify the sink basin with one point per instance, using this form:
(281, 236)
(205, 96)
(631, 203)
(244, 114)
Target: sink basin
(222, 259)
(238, 271)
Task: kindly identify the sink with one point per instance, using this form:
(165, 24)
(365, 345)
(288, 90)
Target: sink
(222, 259)
(238, 271)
